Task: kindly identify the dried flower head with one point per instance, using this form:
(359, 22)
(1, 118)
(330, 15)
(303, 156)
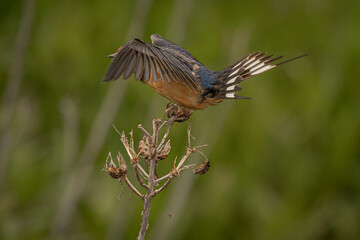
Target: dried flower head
(122, 164)
(145, 148)
(203, 167)
(114, 172)
(164, 152)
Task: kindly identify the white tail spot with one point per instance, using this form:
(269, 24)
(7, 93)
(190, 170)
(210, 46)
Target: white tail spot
(262, 69)
(230, 88)
(254, 63)
(231, 80)
(230, 95)
(233, 73)
(237, 64)
(258, 67)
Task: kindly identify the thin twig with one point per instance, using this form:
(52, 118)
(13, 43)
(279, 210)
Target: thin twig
(132, 187)
(184, 158)
(143, 173)
(201, 146)
(196, 149)
(144, 130)
(187, 167)
(189, 135)
(131, 152)
(155, 133)
(166, 122)
(165, 136)
(131, 140)
(163, 186)
(167, 175)
(162, 178)
(136, 168)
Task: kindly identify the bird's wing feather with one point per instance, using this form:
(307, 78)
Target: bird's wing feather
(248, 67)
(163, 43)
(150, 63)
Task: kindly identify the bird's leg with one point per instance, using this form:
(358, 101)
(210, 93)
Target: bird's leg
(171, 110)
(183, 114)
(179, 114)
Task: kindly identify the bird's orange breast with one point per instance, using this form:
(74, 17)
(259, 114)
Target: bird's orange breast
(181, 94)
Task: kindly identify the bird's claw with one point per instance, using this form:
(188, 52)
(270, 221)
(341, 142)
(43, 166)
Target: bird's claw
(180, 114)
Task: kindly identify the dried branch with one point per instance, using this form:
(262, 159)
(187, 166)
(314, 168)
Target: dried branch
(141, 182)
(143, 129)
(131, 152)
(165, 135)
(151, 151)
(163, 186)
(133, 188)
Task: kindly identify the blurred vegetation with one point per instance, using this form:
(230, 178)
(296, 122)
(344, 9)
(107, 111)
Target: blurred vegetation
(285, 165)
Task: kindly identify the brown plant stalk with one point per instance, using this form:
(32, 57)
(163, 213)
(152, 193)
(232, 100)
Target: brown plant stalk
(152, 149)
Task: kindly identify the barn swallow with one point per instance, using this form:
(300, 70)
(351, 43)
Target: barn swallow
(175, 74)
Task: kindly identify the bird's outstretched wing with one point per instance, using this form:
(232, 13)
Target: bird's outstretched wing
(151, 64)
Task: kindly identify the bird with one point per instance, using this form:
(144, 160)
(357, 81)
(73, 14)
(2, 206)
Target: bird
(177, 75)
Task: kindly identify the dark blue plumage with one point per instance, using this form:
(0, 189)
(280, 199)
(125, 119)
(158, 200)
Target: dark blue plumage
(206, 77)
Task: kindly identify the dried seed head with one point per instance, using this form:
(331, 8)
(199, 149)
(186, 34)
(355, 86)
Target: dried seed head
(114, 171)
(203, 167)
(174, 173)
(164, 152)
(122, 164)
(145, 148)
(141, 147)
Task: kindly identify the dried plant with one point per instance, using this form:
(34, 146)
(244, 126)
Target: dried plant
(152, 150)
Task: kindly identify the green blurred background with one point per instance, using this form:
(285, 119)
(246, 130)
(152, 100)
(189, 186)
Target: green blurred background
(284, 165)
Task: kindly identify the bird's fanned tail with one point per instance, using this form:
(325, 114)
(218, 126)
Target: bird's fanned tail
(248, 67)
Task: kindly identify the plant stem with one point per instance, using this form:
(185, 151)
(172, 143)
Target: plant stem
(145, 217)
(150, 189)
